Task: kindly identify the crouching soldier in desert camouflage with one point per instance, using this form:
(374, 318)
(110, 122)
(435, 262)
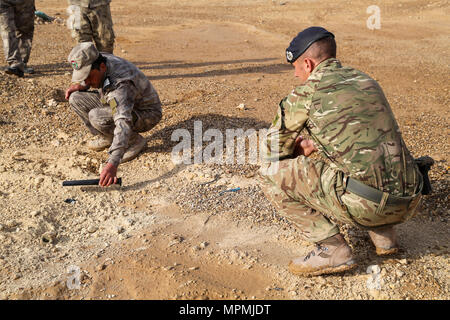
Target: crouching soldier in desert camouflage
(92, 22)
(364, 174)
(126, 104)
(17, 28)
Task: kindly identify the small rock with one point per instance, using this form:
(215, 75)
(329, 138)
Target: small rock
(92, 229)
(124, 236)
(120, 230)
(101, 267)
(241, 106)
(321, 280)
(48, 237)
(399, 273)
(403, 261)
(203, 245)
(52, 103)
(34, 213)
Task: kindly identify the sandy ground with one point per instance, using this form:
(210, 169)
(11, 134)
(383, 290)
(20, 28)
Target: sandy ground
(169, 232)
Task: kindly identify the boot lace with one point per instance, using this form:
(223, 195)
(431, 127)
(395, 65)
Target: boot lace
(316, 251)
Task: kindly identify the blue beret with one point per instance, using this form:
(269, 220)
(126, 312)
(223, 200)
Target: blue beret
(304, 40)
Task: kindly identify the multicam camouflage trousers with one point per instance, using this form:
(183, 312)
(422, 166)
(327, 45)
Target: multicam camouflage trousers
(95, 24)
(311, 194)
(98, 117)
(17, 28)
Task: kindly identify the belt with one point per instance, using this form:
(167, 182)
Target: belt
(374, 195)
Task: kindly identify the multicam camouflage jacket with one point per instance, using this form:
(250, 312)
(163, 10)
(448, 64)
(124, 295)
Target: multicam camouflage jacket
(351, 124)
(88, 3)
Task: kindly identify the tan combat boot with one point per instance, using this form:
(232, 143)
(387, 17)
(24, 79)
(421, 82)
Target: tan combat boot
(99, 143)
(385, 240)
(330, 256)
(135, 145)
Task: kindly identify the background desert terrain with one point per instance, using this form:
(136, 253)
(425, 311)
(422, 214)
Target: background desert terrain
(168, 232)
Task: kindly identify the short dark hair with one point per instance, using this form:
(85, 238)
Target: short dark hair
(323, 49)
(96, 64)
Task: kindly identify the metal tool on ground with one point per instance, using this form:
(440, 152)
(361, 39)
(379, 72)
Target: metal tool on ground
(229, 190)
(89, 182)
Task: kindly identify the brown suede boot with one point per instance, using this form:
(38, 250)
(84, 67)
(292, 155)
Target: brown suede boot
(99, 143)
(330, 256)
(385, 240)
(135, 145)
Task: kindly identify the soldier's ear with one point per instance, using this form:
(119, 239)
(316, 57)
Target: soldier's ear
(309, 65)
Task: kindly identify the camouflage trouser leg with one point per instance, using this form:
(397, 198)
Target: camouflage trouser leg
(25, 28)
(96, 25)
(17, 27)
(305, 191)
(308, 192)
(99, 118)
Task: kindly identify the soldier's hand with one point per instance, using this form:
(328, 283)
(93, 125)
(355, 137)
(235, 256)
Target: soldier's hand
(303, 147)
(74, 87)
(108, 175)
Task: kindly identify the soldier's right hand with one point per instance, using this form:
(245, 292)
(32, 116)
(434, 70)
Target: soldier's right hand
(74, 87)
(304, 147)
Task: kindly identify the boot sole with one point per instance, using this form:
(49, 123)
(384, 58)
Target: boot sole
(318, 272)
(384, 252)
(129, 158)
(98, 148)
(20, 75)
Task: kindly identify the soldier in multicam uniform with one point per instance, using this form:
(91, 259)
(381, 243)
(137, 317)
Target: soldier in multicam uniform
(364, 174)
(17, 28)
(127, 103)
(93, 22)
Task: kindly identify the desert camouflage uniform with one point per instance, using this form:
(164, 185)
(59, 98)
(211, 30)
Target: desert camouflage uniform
(351, 123)
(17, 27)
(127, 103)
(95, 24)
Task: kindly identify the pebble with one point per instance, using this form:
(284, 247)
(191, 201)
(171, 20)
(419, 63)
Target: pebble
(52, 103)
(403, 261)
(101, 267)
(34, 213)
(399, 273)
(241, 106)
(92, 229)
(120, 229)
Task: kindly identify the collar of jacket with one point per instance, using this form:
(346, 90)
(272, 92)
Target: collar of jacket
(330, 63)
